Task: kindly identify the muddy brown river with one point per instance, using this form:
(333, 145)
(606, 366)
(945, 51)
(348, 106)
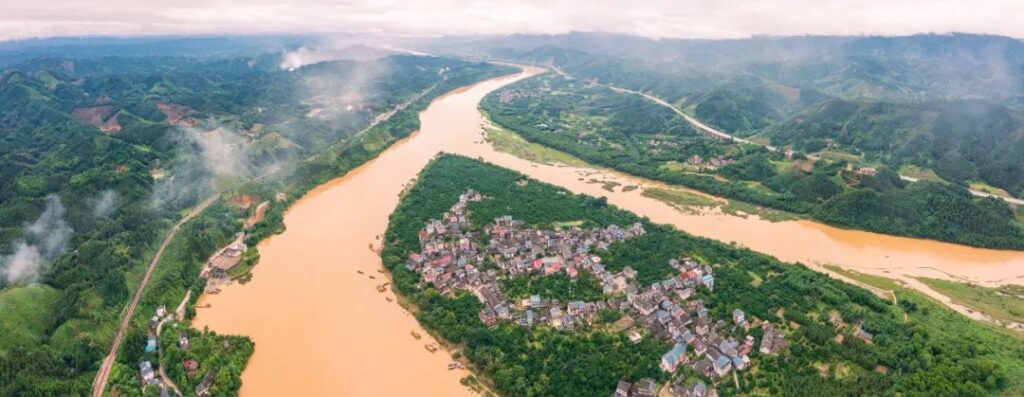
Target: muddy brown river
(321, 328)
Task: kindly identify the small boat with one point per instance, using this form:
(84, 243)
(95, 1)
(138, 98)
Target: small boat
(372, 278)
(415, 335)
(381, 271)
(380, 288)
(359, 271)
(387, 298)
(431, 347)
(452, 366)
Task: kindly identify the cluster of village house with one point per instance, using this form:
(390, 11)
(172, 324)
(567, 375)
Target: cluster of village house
(709, 163)
(451, 257)
(146, 372)
(216, 273)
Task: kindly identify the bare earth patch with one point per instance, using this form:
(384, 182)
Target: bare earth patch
(103, 117)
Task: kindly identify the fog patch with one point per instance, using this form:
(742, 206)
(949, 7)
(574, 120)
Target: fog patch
(45, 238)
(303, 56)
(106, 204)
(344, 86)
(337, 49)
(209, 157)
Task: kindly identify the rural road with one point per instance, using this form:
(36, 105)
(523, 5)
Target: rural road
(99, 384)
(724, 135)
(160, 351)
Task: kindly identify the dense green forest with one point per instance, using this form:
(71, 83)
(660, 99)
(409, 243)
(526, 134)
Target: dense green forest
(631, 134)
(933, 351)
(103, 154)
(902, 68)
(948, 103)
(962, 141)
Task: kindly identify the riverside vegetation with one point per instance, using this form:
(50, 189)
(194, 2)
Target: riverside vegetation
(931, 351)
(631, 134)
(149, 127)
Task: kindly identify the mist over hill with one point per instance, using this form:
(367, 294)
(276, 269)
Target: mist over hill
(926, 100)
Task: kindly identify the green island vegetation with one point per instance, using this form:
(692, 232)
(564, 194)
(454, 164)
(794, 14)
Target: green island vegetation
(628, 133)
(1004, 303)
(931, 351)
(103, 154)
(681, 199)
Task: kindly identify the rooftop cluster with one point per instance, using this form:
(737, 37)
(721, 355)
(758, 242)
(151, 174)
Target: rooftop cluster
(452, 255)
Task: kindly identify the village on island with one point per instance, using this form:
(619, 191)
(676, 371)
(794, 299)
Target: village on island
(452, 255)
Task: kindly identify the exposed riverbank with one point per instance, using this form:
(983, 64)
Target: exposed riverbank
(323, 329)
(788, 237)
(321, 326)
(793, 240)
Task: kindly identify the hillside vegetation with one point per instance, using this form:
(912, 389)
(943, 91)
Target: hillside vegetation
(630, 134)
(951, 103)
(103, 154)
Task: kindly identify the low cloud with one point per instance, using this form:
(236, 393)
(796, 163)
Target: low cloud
(208, 158)
(303, 56)
(45, 238)
(106, 204)
(654, 18)
(340, 47)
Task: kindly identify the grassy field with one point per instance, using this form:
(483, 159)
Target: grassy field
(24, 312)
(689, 201)
(879, 282)
(740, 208)
(1003, 303)
(920, 173)
(680, 199)
(508, 142)
(984, 187)
(838, 155)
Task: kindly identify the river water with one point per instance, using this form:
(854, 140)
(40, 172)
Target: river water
(321, 328)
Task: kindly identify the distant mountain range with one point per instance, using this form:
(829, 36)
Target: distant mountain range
(952, 103)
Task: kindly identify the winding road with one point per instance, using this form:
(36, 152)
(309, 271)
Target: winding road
(724, 135)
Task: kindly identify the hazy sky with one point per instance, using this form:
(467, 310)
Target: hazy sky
(654, 18)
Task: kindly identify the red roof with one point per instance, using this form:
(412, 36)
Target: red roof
(443, 261)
